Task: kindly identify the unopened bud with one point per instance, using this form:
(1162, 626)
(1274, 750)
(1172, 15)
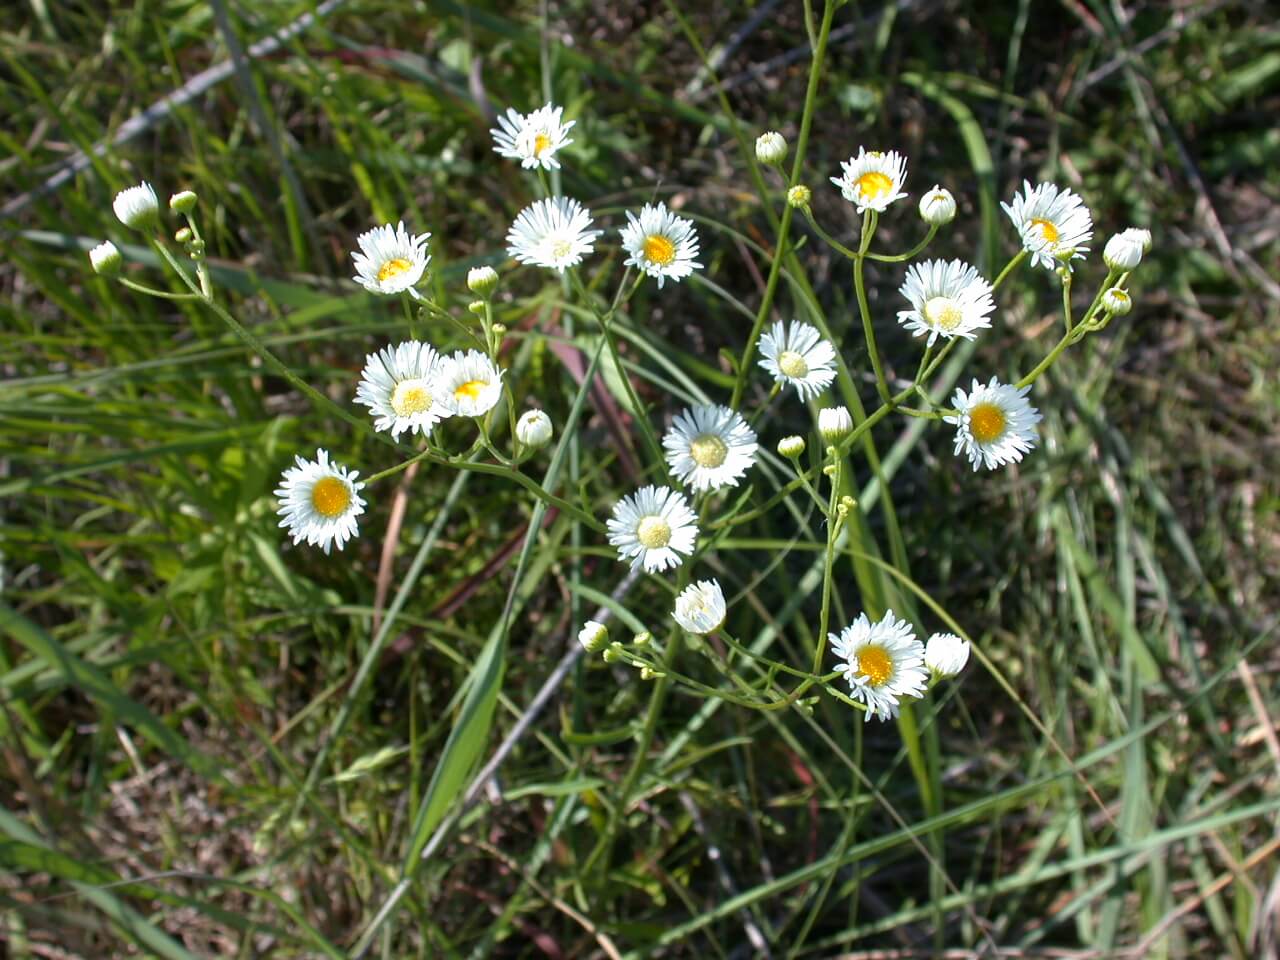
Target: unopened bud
(183, 201)
(771, 148)
(477, 307)
(791, 447)
(593, 636)
(105, 259)
(1117, 302)
(482, 281)
(183, 236)
(613, 652)
(834, 423)
(799, 196)
(533, 429)
(642, 639)
(937, 207)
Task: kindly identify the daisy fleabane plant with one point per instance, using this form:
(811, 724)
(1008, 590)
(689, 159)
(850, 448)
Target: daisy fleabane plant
(796, 354)
(660, 244)
(709, 447)
(883, 662)
(391, 259)
(1054, 224)
(533, 139)
(400, 387)
(652, 528)
(552, 233)
(948, 299)
(469, 384)
(995, 423)
(700, 607)
(320, 501)
(872, 180)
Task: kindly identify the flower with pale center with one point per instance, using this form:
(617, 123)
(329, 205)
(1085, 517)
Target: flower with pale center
(945, 654)
(660, 244)
(320, 501)
(995, 423)
(654, 528)
(1054, 224)
(137, 207)
(400, 387)
(469, 384)
(535, 139)
(552, 233)
(948, 299)
(700, 607)
(796, 354)
(710, 447)
(872, 180)
(883, 662)
(390, 259)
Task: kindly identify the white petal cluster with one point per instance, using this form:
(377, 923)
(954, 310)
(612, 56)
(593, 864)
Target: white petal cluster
(660, 244)
(796, 354)
(834, 423)
(937, 206)
(533, 139)
(653, 528)
(320, 501)
(534, 429)
(401, 387)
(552, 233)
(995, 423)
(137, 207)
(470, 384)
(1124, 251)
(946, 654)
(390, 259)
(883, 662)
(710, 447)
(700, 607)
(948, 299)
(105, 259)
(1054, 224)
(872, 180)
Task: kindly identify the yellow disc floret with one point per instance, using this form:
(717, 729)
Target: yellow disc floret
(330, 497)
(1048, 229)
(470, 390)
(792, 364)
(659, 250)
(410, 397)
(540, 143)
(943, 313)
(876, 664)
(987, 422)
(653, 532)
(708, 450)
(873, 185)
(393, 268)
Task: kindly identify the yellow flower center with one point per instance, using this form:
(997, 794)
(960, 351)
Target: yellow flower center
(393, 268)
(987, 422)
(658, 249)
(792, 364)
(653, 532)
(875, 663)
(708, 450)
(561, 248)
(330, 497)
(540, 143)
(470, 390)
(943, 312)
(1048, 229)
(874, 184)
(410, 397)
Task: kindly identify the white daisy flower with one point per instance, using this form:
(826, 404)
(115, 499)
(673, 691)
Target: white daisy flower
(469, 384)
(710, 447)
(320, 501)
(390, 259)
(948, 299)
(552, 233)
(946, 654)
(652, 527)
(797, 355)
(700, 607)
(883, 662)
(660, 243)
(137, 207)
(532, 139)
(1054, 224)
(872, 180)
(399, 386)
(995, 424)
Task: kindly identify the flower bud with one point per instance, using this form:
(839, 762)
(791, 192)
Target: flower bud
(105, 259)
(834, 423)
(183, 236)
(799, 196)
(533, 429)
(184, 201)
(791, 447)
(1124, 251)
(1117, 302)
(648, 673)
(613, 652)
(593, 636)
(476, 307)
(137, 207)
(771, 148)
(848, 503)
(937, 207)
(642, 639)
(482, 281)
(946, 654)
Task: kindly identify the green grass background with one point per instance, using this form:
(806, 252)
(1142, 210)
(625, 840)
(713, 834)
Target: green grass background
(1104, 783)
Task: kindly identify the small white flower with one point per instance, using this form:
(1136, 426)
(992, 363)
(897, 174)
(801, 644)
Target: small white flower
(946, 654)
(469, 384)
(834, 423)
(105, 259)
(1124, 251)
(660, 244)
(1117, 302)
(791, 447)
(482, 280)
(883, 662)
(652, 528)
(797, 354)
(948, 299)
(710, 447)
(593, 636)
(937, 207)
(872, 180)
(532, 139)
(552, 233)
(533, 429)
(390, 259)
(399, 386)
(320, 501)
(771, 148)
(995, 424)
(700, 607)
(1054, 224)
(137, 207)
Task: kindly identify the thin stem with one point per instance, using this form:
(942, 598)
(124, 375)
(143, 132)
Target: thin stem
(860, 286)
(826, 237)
(828, 569)
(162, 294)
(899, 257)
(1009, 267)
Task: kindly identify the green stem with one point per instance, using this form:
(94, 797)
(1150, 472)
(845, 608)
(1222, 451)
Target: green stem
(163, 294)
(860, 286)
(899, 257)
(1009, 267)
(828, 569)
